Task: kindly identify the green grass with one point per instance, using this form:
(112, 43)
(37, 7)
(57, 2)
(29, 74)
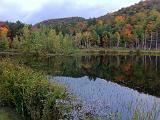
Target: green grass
(86, 51)
(8, 114)
(118, 51)
(31, 94)
(4, 116)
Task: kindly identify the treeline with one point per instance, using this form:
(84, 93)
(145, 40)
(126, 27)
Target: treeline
(137, 27)
(38, 40)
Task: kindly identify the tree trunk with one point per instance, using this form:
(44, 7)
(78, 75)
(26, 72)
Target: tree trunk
(142, 45)
(151, 41)
(138, 43)
(118, 43)
(125, 45)
(156, 40)
(156, 63)
(145, 41)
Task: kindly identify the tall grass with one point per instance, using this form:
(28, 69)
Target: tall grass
(32, 95)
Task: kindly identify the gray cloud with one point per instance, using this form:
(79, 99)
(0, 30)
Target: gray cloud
(32, 11)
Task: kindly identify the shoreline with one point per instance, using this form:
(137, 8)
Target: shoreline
(94, 51)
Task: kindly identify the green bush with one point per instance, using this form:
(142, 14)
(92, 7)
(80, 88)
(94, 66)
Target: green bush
(30, 92)
(4, 43)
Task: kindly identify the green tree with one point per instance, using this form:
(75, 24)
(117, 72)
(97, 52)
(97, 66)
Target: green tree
(4, 42)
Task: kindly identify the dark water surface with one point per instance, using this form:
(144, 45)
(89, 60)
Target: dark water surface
(107, 85)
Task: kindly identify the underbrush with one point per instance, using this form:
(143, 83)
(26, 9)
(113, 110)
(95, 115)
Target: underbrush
(30, 93)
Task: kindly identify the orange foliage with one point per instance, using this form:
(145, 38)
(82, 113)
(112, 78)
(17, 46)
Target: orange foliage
(3, 29)
(127, 32)
(119, 19)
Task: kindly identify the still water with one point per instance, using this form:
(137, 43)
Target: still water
(106, 85)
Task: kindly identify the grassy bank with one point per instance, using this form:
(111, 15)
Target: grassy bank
(116, 51)
(30, 93)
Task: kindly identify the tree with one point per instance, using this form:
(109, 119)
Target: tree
(16, 44)
(105, 40)
(78, 39)
(119, 19)
(81, 26)
(87, 38)
(4, 43)
(100, 22)
(127, 34)
(3, 30)
(95, 38)
(15, 29)
(67, 45)
(149, 29)
(117, 37)
(119, 22)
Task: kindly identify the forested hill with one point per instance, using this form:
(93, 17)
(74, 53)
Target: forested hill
(65, 25)
(137, 26)
(69, 20)
(134, 26)
(143, 6)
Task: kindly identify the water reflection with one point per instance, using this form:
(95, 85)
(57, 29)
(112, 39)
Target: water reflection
(106, 83)
(101, 97)
(141, 73)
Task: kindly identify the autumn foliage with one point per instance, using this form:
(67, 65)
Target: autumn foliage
(119, 19)
(127, 32)
(3, 29)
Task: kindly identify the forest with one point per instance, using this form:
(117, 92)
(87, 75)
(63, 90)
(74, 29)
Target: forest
(74, 68)
(136, 27)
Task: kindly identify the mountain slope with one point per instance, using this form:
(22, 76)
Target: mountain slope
(143, 6)
(134, 26)
(64, 25)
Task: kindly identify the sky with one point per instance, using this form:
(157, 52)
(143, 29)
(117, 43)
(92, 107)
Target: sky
(33, 11)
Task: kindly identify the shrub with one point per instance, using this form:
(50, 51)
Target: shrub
(4, 43)
(30, 92)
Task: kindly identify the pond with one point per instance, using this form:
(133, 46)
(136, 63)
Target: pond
(107, 85)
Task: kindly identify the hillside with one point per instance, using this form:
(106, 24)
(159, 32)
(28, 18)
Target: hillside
(137, 26)
(134, 26)
(70, 20)
(64, 25)
(144, 6)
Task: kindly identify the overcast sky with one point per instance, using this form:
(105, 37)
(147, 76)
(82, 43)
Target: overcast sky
(32, 11)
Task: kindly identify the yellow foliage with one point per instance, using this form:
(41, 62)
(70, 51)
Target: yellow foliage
(99, 22)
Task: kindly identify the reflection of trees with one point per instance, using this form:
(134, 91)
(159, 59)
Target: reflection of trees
(137, 72)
